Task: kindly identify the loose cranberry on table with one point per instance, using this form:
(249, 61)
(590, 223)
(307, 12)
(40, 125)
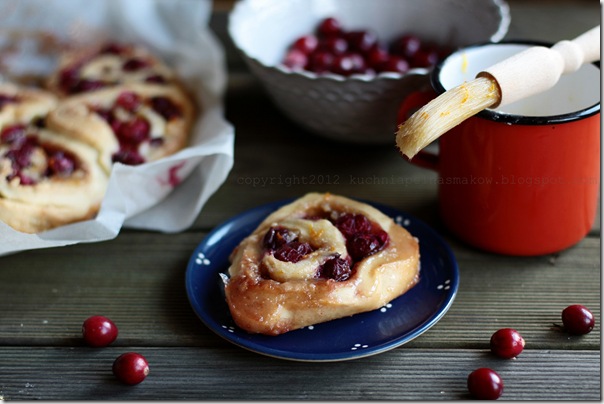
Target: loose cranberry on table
(99, 331)
(578, 319)
(333, 49)
(485, 384)
(131, 368)
(507, 343)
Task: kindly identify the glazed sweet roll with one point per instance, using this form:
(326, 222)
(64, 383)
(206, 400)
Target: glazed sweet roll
(319, 258)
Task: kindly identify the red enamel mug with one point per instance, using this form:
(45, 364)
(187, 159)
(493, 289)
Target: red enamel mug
(522, 179)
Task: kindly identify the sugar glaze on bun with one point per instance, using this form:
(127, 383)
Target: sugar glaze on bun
(319, 258)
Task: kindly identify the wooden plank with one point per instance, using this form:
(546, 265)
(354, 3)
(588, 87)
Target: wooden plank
(235, 374)
(527, 294)
(138, 281)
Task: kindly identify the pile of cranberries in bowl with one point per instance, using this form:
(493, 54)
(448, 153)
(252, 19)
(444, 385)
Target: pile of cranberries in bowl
(333, 49)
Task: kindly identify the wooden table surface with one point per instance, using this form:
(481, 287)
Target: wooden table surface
(137, 280)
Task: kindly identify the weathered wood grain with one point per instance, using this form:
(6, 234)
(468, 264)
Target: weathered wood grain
(233, 374)
(138, 281)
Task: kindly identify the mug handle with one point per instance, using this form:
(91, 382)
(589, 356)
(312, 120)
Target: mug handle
(412, 103)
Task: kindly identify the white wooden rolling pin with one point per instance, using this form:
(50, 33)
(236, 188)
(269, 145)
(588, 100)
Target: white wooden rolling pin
(529, 72)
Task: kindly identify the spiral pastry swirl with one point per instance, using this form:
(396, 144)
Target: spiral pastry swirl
(131, 124)
(46, 179)
(316, 259)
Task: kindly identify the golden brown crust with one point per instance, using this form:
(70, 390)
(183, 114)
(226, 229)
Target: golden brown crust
(259, 303)
(33, 218)
(29, 103)
(75, 117)
(52, 200)
(47, 199)
(33, 197)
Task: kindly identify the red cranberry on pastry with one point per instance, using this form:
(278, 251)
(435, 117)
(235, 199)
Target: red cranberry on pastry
(316, 259)
(95, 67)
(129, 124)
(46, 180)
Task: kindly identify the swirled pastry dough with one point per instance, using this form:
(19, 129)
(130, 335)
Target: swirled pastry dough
(46, 179)
(131, 123)
(106, 103)
(93, 67)
(21, 104)
(320, 258)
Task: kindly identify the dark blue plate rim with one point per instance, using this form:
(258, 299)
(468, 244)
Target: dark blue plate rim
(244, 223)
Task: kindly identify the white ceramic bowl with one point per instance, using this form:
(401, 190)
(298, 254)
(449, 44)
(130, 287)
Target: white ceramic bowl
(359, 108)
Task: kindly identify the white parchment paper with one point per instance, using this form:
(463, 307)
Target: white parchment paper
(166, 195)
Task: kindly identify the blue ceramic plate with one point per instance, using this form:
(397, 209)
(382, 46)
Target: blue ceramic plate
(400, 321)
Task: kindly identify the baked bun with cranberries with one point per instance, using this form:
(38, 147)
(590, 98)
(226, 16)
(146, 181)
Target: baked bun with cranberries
(99, 66)
(22, 104)
(319, 258)
(131, 124)
(46, 180)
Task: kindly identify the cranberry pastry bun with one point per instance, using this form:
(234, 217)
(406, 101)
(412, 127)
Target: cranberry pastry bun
(95, 67)
(46, 180)
(23, 104)
(320, 258)
(131, 124)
